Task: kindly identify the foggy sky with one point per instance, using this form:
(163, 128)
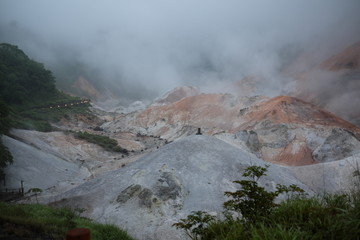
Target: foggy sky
(142, 48)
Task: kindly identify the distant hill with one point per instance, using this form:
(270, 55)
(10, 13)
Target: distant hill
(29, 90)
(23, 80)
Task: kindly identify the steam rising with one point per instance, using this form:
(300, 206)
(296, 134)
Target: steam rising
(139, 49)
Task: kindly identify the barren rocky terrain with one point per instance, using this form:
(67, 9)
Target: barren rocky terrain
(170, 171)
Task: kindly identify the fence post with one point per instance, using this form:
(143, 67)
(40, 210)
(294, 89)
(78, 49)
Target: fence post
(22, 187)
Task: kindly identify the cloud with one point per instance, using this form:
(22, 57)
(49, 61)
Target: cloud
(142, 48)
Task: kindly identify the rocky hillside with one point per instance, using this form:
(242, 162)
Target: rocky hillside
(157, 190)
(283, 129)
(192, 173)
(169, 171)
(160, 182)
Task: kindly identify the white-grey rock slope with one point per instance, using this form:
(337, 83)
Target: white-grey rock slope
(147, 196)
(41, 170)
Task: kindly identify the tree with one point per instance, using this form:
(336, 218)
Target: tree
(253, 201)
(23, 80)
(5, 156)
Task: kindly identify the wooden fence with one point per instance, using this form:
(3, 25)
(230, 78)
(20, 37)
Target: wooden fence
(10, 194)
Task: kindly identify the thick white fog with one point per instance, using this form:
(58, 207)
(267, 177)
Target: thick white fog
(143, 48)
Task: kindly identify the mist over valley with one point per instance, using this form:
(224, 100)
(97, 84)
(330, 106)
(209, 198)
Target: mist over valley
(140, 113)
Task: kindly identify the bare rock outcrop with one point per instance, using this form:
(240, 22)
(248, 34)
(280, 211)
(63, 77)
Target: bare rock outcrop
(283, 130)
(147, 196)
(289, 131)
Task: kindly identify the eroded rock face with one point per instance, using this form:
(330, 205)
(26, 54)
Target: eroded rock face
(147, 196)
(283, 130)
(289, 131)
(251, 139)
(290, 145)
(338, 145)
(166, 188)
(174, 119)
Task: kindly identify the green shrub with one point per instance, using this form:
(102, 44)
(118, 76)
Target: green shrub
(253, 201)
(105, 142)
(276, 231)
(195, 225)
(298, 217)
(328, 217)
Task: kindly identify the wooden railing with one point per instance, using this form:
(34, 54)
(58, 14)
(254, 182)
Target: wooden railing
(9, 194)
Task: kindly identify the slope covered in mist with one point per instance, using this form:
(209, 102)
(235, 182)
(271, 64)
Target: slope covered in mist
(333, 83)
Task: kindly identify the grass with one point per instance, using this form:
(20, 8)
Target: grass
(43, 222)
(327, 217)
(105, 142)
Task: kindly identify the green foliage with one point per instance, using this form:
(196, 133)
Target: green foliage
(42, 222)
(107, 143)
(36, 191)
(30, 124)
(253, 201)
(225, 229)
(22, 79)
(195, 224)
(28, 90)
(5, 156)
(277, 231)
(106, 232)
(298, 217)
(329, 217)
(4, 118)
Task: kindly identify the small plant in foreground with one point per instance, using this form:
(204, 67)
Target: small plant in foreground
(195, 224)
(253, 201)
(36, 191)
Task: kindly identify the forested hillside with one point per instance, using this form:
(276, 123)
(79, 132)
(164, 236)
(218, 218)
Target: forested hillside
(23, 80)
(28, 90)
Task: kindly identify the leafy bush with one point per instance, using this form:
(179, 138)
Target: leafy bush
(253, 201)
(195, 224)
(5, 155)
(298, 217)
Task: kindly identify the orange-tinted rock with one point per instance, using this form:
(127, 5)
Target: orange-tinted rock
(285, 109)
(347, 59)
(283, 129)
